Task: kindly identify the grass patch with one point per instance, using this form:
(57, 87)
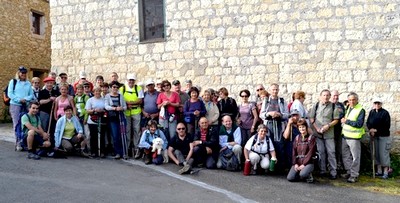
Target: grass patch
(390, 186)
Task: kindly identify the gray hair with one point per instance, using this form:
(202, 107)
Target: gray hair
(261, 126)
(353, 94)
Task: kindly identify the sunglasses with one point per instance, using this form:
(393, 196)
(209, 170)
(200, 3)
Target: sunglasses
(63, 77)
(259, 89)
(166, 85)
(181, 128)
(244, 96)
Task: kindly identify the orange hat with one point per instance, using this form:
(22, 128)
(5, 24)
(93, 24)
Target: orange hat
(48, 79)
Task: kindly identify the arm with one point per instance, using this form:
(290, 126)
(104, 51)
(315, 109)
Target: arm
(263, 112)
(246, 154)
(190, 152)
(203, 110)
(369, 119)
(107, 102)
(285, 110)
(29, 97)
(237, 137)
(172, 156)
(359, 122)
(311, 152)
(223, 141)
(215, 113)
(186, 108)
(288, 128)
(77, 125)
(142, 142)
(10, 91)
(55, 108)
(72, 103)
(57, 133)
(255, 120)
(294, 151)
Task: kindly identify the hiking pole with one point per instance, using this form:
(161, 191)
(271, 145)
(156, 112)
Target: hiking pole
(373, 155)
(123, 134)
(98, 134)
(50, 118)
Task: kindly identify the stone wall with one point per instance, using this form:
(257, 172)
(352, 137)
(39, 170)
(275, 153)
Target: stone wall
(351, 45)
(18, 46)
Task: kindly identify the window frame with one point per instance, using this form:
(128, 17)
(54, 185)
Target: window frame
(142, 39)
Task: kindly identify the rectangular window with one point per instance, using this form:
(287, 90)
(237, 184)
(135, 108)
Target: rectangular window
(151, 20)
(37, 22)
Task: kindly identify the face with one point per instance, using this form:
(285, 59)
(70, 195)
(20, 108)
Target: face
(99, 82)
(68, 113)
(325, 96)
(274, 90)
(79, 91)
(295, 118)
(177, 88)
(131, 83)
(114, 88)
(263, 96)
(104, 90)
(352, 100)
(34, 109)
(159, 85)
(302, 129)
(36, 84)
(335, 96)
(194, 95)
(22, 76)
(188, 85)
(150, 87)
(97, 93)
(302, 99)
(166, 87)
(114, 77)
(206, 97)
(49, 85)
(203, 123)
(222, 95)
(64, 78)
(152, 129)
(377, 105)
(86, 88)
(245, 96)
(227, 122)
(259, 88)
(262, 133)
(64, 90)
(180, 129)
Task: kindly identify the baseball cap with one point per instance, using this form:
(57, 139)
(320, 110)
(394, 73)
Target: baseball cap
(294, 112)
(82, 74)
(149, 82)
(176, 82)
(22, 69)
(188, 81)
(377, 100)
(131, 76)
(48, 79)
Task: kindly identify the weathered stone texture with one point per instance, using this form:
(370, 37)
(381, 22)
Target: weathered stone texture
(308, 45)
(18, 46)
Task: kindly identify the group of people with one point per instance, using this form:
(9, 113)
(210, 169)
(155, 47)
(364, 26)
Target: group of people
(160, 122)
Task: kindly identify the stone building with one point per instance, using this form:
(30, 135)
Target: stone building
(25, 33)
(348, 45)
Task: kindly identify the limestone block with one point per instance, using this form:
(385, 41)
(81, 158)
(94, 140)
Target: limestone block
(341, 87)
(255, 18)
(272, 49)
(201, 43)
(216, 21)
(236, 31)
(271, 78)
(332, 76)
(233, 61)
(356, 10)
(360, 75)
(368, 86)
(183, 6)
(355, 87)
(260, 40)
(372, 8)
(263, 29)
(287, 38)
(382, 87)
(247, 61)
(215, 43)
(91, 6)
(325, 13)
(246, 42)
(303, 37)
(248, 29)
(334, 36)
(257, 51)
(315, 77)
(303, 25)
(309, 87)
(279, 58)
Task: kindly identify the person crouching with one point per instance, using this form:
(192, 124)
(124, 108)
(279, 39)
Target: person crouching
(146, 142)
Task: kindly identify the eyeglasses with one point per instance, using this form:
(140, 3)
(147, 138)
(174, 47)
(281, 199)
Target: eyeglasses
(245, 96)
(86, 86)
(260, 89)
(166, 85)
(115, 87)
(181, 128)
(63, 77)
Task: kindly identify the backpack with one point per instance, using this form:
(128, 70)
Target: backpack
(254, 142)
(315, 156)
(316, 108)
(19, 131)
(7, 99)
(124, 90)
(229, 160)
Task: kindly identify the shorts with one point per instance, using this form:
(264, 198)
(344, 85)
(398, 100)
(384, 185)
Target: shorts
(37, 140)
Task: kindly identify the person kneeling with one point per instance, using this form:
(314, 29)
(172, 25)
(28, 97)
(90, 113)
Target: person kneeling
(69, 134)
(304, 150)
(259, 150)
(180, 150)
(146, 143)
(205, 144)
(34, 136)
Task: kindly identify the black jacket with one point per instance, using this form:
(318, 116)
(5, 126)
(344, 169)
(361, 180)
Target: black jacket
(380, 121)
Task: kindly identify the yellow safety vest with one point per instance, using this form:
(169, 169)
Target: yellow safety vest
(350, 131)
(131, 96)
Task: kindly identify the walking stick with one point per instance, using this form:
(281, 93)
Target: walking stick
(373, 155)
(99, 134)
(123, 135)
(50, 118)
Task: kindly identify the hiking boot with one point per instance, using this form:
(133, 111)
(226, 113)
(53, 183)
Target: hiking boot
(385, 176)
(352, 180)
(33, 156)
(126, 157)
(345, 176)
(185, 169)
(117, 156)
(138, 154)
(147, 159)
(310, 179)
(84, 154)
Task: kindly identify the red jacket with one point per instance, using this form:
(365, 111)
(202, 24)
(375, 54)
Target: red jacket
(303, 150)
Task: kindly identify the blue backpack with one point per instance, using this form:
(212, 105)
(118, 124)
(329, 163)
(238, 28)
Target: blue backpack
(19, 131)
(229, 160)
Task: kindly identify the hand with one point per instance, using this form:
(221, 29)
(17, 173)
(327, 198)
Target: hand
(301, 167)
(196, 113)
(277, 114)
(45, 136)
(223, 148)
(22, 101)
(290, 121)
(146, 115)
(119, 108)
(252, 129)
(343, 120)
(177, 162)
(79, 136)
(53, 98)
(296, 167)
(209, 150)
(55, 148)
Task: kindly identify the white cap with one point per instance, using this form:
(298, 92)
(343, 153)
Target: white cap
(82, 74)
(131, 76)
(377, 99)
(149, 82)
(140, 83)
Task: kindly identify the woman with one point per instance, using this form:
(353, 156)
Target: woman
(69, 133)
(20, 93)
(146, 142)
(115, 106)
(226, 105)
(212, 114)
(62, 101)
(168, 102)
(35, 88)
(298, 104)
(193, 109)
(259, 150)
(262, 94)
(95, 108)
(99, 81)
(304, 149)
(248, 116)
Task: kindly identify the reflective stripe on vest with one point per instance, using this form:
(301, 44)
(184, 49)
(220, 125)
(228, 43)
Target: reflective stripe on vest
(130, 96)
(350, 131)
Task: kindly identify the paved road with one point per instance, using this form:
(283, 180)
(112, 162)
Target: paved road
(107, 180)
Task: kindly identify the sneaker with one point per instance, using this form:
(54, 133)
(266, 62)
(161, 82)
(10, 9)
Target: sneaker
(117, 156)
(33, 156)
(18, 148)
(310, 179)
(138, 154)
(385, 176)
(147, 159)
(378, 174)
(352, 180)
(84, 154)
(345, 176)
(186, 168)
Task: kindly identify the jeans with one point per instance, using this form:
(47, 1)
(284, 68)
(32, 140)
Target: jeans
(116, 135)
(201, 157)
(294, 175)
(171, 126)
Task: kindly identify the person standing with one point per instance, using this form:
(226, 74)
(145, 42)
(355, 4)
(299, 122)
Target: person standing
(95, 109)
(193, 110)
(227, 105)
(338, 129)
(323, 116)
(353, 131)
(275, 113)
(248, 116)
(133, 96)
(378, 124)
(36, 88)
(168, 102)
(47, 96)
(64, 80)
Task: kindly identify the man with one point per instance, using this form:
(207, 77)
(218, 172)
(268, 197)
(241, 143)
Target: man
(378, 123)
(34, 135)
(46, 99)
(86, 90)
(182, 95)
(206, 144)
(180, 149)
(290, 134)
(114, 77)
(149, 106)
(159, 85)
(338, 129)
(353, 131)
(64, 78)
(82, 80)
(274, 113)
(189, 85)
(35, 88)
(259, 88)
(133, 95)
(323, 116)
(230, 139)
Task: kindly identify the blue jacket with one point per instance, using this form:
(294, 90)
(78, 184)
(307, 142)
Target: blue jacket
(23, 90)
(58, 134)
(146, 141)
